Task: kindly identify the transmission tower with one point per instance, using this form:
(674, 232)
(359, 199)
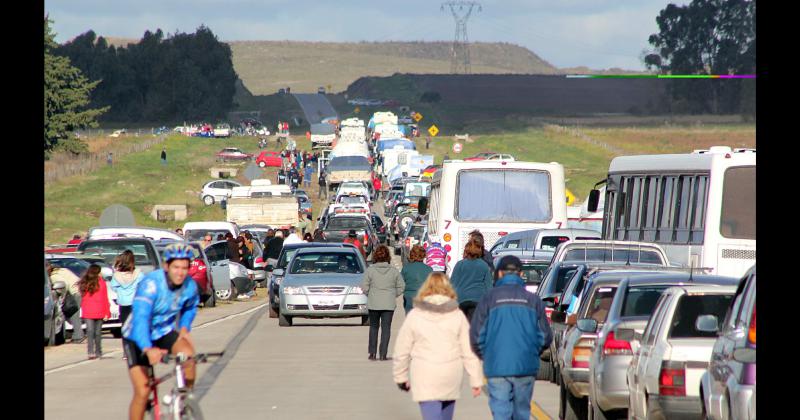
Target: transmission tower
(459, 52)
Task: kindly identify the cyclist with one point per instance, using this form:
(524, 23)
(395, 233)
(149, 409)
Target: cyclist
(165, 300)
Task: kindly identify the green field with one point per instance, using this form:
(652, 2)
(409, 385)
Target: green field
(139, 181)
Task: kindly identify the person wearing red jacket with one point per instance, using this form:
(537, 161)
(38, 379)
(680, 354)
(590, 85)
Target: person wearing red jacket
(376, 184)
(95, 308)
(198, 272)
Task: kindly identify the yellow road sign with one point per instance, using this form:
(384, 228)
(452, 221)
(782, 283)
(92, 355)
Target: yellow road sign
(357, 110)
(570, 198)
(417, 117)
(433, 130)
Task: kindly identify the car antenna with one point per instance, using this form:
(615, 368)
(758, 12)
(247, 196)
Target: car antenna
(628, 262)
(691, 267)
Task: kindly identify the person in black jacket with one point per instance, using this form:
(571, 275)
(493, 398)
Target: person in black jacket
(272, 249)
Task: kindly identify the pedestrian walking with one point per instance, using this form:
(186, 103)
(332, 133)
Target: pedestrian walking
(376, 185)
(485, 254)
(164, 156)
(95, 308)
(382, 284)
(471, 278)
(414, 274)
(110, 159)
(433, 349)
(71, 292)
(352, 238)
(307, 178)
(124, 282)
(323, 186)
(510, 314)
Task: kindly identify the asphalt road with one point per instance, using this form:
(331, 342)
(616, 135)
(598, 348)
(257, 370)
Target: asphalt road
(315, 106)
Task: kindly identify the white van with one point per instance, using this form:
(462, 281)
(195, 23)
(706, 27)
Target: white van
(196, 231)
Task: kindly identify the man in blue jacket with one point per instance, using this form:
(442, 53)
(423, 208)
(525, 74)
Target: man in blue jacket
(509, 330)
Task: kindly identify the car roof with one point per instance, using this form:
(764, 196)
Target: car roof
(317, 245)
(336, 250)
(679, 279)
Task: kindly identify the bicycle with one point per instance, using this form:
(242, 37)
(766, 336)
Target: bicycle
(179, 403)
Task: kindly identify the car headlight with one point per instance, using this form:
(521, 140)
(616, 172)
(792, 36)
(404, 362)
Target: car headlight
(290, 290)
(356, 291)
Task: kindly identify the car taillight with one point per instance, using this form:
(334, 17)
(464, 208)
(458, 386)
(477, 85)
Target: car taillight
(751, 333)
(259, 260)
(582, 352)
(408, 242)
(614, 347)
(555, 300)
(547, 312)
(672, 379)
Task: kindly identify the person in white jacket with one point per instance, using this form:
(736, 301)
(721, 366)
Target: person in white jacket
(433, 347)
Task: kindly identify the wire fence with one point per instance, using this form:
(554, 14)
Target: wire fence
(63, 165)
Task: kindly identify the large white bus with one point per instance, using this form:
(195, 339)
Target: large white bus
(700, 206)
(496, 198)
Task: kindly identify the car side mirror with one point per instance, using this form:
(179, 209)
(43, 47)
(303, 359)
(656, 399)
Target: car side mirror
(594, 200)
(625, 334)
(59, 286)
(707, 323)
(558, 316)
(587, 325)
(422, 206)
(745, 355)
(278, 272)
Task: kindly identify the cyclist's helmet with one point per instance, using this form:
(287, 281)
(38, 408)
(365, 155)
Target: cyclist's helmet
(178, 251)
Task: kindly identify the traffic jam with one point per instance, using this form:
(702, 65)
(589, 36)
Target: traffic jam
(649, 285)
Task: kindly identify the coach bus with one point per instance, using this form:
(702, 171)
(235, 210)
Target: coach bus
(700, 206)
(496, 198)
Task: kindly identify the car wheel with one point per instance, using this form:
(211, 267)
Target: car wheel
(262, 164)
(284, 321)
(364, 320)
(545, 371)
(116, 332)
(208, 200)
(575, 408)
(273, 311)
(223, 294)
(211, 300)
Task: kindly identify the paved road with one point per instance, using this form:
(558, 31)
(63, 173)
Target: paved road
(315, 106)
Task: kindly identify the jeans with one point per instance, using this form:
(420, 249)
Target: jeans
(307, 182)
(94, 331)
(468, 308)
(437, 410)
(75, 321)
(510, 397)
(163, 161)
(382, 319)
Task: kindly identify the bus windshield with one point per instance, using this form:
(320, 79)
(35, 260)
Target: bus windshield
(504, 195)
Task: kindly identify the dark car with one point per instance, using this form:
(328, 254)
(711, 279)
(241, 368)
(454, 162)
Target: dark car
(144, 251)
(414, 234)
(337, 228)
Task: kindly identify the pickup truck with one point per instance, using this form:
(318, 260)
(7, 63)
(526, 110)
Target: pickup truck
(268, 210)
(348, 168)
(322, 134)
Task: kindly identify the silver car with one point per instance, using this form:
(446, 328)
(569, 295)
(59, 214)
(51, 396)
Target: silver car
(323, 283)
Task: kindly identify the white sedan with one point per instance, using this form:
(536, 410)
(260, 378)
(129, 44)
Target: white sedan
(215, 191)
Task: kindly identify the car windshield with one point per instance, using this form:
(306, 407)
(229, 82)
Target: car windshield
(109, 250)
(532, 273)
(75, 265)
(286, 257)
(326, 262)
(416, 232)
(619, 255)
(641, 300)
(347, 223)
(356, 199)
(690, 307)
(199, 235)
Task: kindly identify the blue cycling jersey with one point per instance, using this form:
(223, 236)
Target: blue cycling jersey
(157, 310)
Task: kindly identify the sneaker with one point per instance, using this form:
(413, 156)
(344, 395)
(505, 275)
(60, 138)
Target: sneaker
(243, 296)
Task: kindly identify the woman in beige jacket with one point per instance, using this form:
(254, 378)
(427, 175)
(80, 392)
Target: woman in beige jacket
(433, 346)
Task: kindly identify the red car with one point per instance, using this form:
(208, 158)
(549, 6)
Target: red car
(480, 156)
(269, 159)
(233, 153)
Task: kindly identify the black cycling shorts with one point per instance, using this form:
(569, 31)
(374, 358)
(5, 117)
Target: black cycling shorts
(136, 356)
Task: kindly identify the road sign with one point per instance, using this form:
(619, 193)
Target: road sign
(357, 110)
(457, 147)
(570, 198)
(433, 130)
(417, 116)
(252, 171)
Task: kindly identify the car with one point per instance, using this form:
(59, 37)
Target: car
(540, 239)
(229, 279)
(337, 227)
(118, 133)
(269, 159)
(358, 188)
(321, 90)
(663, 378)
(728, 387)
(352, 199)
(304, 203)
(479, 156)
(146, 257)
(391, 199)
(258, 231)
(323, 283)
(233, 153)
(610, 250)
(634, 301)
(196, 231)
(53, 317)
(414, 234)
(277, 272)
(204, 278)
(111, 232)
(501, 156)
(534, 265)
(222, 130)
(216, 191)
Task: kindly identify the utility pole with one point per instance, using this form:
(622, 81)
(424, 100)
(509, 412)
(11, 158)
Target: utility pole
(459, 52)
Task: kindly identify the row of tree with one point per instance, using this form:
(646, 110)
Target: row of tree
(708, 37)
(158, 79)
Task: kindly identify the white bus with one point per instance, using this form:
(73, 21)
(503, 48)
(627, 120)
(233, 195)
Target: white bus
(700, 206)
(496, 198)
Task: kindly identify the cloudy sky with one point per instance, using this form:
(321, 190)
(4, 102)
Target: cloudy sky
(593, 33)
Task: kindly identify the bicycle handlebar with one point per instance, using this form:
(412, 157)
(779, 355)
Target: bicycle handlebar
(199, 357)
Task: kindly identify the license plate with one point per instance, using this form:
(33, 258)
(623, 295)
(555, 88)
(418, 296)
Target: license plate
(327, 302)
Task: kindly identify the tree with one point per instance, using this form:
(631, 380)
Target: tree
(706, 37)
(66, 95)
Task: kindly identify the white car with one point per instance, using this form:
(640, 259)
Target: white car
(352, 188)
(216, 191)
(501, 156)
(664, 375)
(222, 130)
(196, 231)
(118, 133)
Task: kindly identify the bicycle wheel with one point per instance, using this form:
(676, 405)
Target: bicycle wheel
(191, 409)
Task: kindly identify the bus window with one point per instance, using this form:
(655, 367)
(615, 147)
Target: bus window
(738, 220)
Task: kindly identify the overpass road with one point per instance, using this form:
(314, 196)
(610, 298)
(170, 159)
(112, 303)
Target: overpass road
(315, 106)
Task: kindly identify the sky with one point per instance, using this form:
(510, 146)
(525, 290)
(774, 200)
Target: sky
(598, 34)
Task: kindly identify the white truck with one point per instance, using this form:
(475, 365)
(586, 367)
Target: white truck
(261, 203)
(322, 135)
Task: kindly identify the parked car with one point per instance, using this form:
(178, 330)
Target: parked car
(118, 133)
(258, 231)
(216, 191)
(111, 232)
(501, 156)
(609, 250)
(338, 225)
(663, 378)
(229, 279)
(321, 90)
(233, 153)
(728, 387)
(199, 271)
(146, 257)
(414, 234)
(222, 130)
(634, 301)
(271, 159)
(53, 317)
(480, 156)
(323, 283)
(196, 231)
(540, 239)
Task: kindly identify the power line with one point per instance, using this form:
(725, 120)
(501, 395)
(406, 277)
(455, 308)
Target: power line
(459, 53)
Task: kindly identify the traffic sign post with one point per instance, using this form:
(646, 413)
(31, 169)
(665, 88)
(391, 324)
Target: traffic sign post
(433, 130)
(457, 147)
(417, 117)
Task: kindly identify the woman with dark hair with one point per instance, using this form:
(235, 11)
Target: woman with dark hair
(485, 255)
(318, 235)
(414, 274)
(308, 238)
(471, 278)
(382, 284)
(94, 308)
(124, 282)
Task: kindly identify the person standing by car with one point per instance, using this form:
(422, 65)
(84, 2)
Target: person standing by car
(414, 274)
(382, 284)
(323, 185)
(376, 185)
(244, 252)
(71, 282)
(308, 171)
(95, 308)
(234, 254)
(471, 278)
(486, 256)
(272, 249)
(352, 238)
(76, 239)
(433, 346)
(124, 282)
(510, 314)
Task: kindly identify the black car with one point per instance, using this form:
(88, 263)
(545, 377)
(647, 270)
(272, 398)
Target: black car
(144, 252)
(337, 228)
